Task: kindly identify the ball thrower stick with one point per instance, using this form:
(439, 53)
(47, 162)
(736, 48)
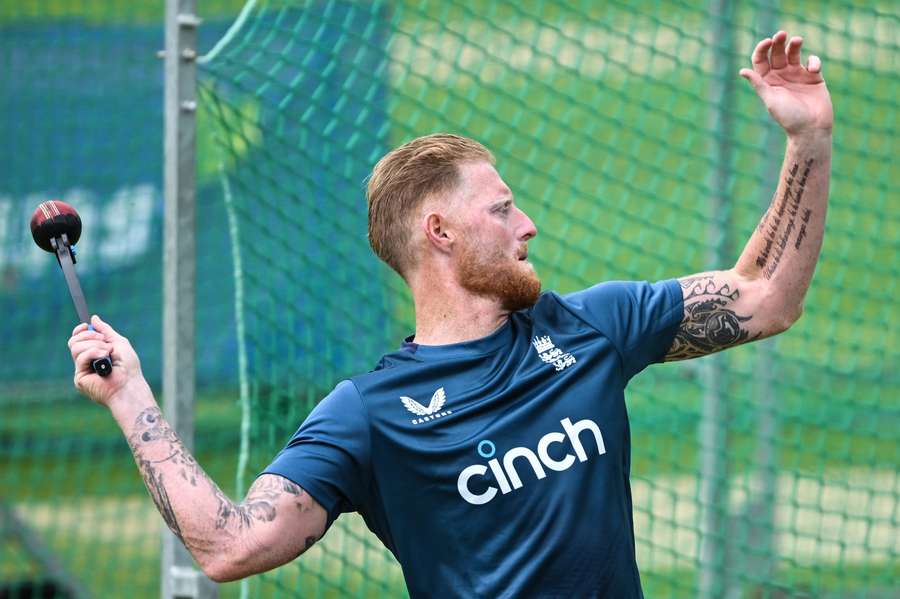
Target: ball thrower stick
(56, 228)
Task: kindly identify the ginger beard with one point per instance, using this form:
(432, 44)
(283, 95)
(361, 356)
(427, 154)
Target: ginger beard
(487, 271)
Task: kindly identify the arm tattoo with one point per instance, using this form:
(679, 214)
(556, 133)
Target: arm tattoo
(709, 324)
(782, 218)
(151, 428)
(258, 506)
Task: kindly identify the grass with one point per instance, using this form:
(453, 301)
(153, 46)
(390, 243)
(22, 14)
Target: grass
(798, 582)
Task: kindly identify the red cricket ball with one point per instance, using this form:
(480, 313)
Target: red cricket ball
(52, 219)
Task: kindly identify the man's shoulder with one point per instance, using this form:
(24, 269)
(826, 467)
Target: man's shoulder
(390, 366)
(610, 300)
(554, 312)
(552, 301)
(553, 309)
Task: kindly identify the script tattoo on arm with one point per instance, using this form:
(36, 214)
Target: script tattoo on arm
(710, 323)
(154, 436)
(782, 218)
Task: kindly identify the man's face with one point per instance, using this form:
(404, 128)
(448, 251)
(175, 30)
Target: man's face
(490, 258)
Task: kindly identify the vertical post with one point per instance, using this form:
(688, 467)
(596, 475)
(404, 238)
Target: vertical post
(758, 520)
(714, 438)
(180, 579)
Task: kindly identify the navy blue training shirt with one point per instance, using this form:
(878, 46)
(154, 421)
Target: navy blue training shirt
(498, 467)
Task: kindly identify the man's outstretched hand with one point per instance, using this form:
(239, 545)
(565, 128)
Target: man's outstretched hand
(795, 95)
(87, 345)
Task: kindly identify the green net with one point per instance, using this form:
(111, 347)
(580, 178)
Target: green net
(627, 136)
(72, 519)
(768, 471)
(81, 90)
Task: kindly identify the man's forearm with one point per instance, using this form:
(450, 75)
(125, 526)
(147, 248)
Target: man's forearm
(784, 248)
(228, 540)
(192, 505)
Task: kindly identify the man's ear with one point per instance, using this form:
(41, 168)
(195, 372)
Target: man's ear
(438, 231)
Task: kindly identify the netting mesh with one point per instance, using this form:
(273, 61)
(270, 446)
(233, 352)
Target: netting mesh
(625, 134)
(81, 93)
(628, 138)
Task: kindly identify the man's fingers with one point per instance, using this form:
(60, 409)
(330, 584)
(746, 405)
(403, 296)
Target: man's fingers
(102, 327)
(756, 80)
(84, 359)
(760, 57)
(81, 327)
(813, 64)
(81, 343)
(84, 335)
(779, 58)
(81, 346)
(793, 50)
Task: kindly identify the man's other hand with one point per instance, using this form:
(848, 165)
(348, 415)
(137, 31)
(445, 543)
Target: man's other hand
(88, 345)
(795, 95)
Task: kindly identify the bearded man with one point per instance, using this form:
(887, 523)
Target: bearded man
(491, 452)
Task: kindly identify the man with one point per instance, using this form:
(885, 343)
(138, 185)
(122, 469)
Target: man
(491, 452)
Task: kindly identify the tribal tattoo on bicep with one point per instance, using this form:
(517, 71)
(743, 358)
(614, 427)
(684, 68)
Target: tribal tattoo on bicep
(710, 324)
(260, 504)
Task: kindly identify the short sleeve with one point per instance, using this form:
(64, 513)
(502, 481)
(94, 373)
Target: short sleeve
(640, 318)
(329, 454)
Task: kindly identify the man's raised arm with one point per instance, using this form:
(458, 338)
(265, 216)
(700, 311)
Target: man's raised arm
(763, 294)
(276, 522)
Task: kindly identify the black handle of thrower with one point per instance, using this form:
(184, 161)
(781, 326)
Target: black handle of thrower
(103, 366)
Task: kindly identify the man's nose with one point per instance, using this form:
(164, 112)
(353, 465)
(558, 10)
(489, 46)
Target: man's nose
(527, 226)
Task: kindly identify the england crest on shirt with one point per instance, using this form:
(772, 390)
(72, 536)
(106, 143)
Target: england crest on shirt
(550, 354)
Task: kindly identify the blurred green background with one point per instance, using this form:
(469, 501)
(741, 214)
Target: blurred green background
(609, 122)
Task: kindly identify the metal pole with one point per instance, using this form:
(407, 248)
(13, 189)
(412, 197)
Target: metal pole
(758, 559)
(714, 423)
(180, 578)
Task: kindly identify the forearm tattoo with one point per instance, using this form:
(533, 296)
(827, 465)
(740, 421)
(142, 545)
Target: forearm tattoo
(709, 324)
(782, 218)
(150, 428)
(259, 505)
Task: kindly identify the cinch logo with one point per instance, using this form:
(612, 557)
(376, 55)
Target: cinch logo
(505, 474)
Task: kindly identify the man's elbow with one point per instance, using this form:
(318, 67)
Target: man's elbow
(221, 569)
(787, 317)
(224, 566)
(238, 561)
